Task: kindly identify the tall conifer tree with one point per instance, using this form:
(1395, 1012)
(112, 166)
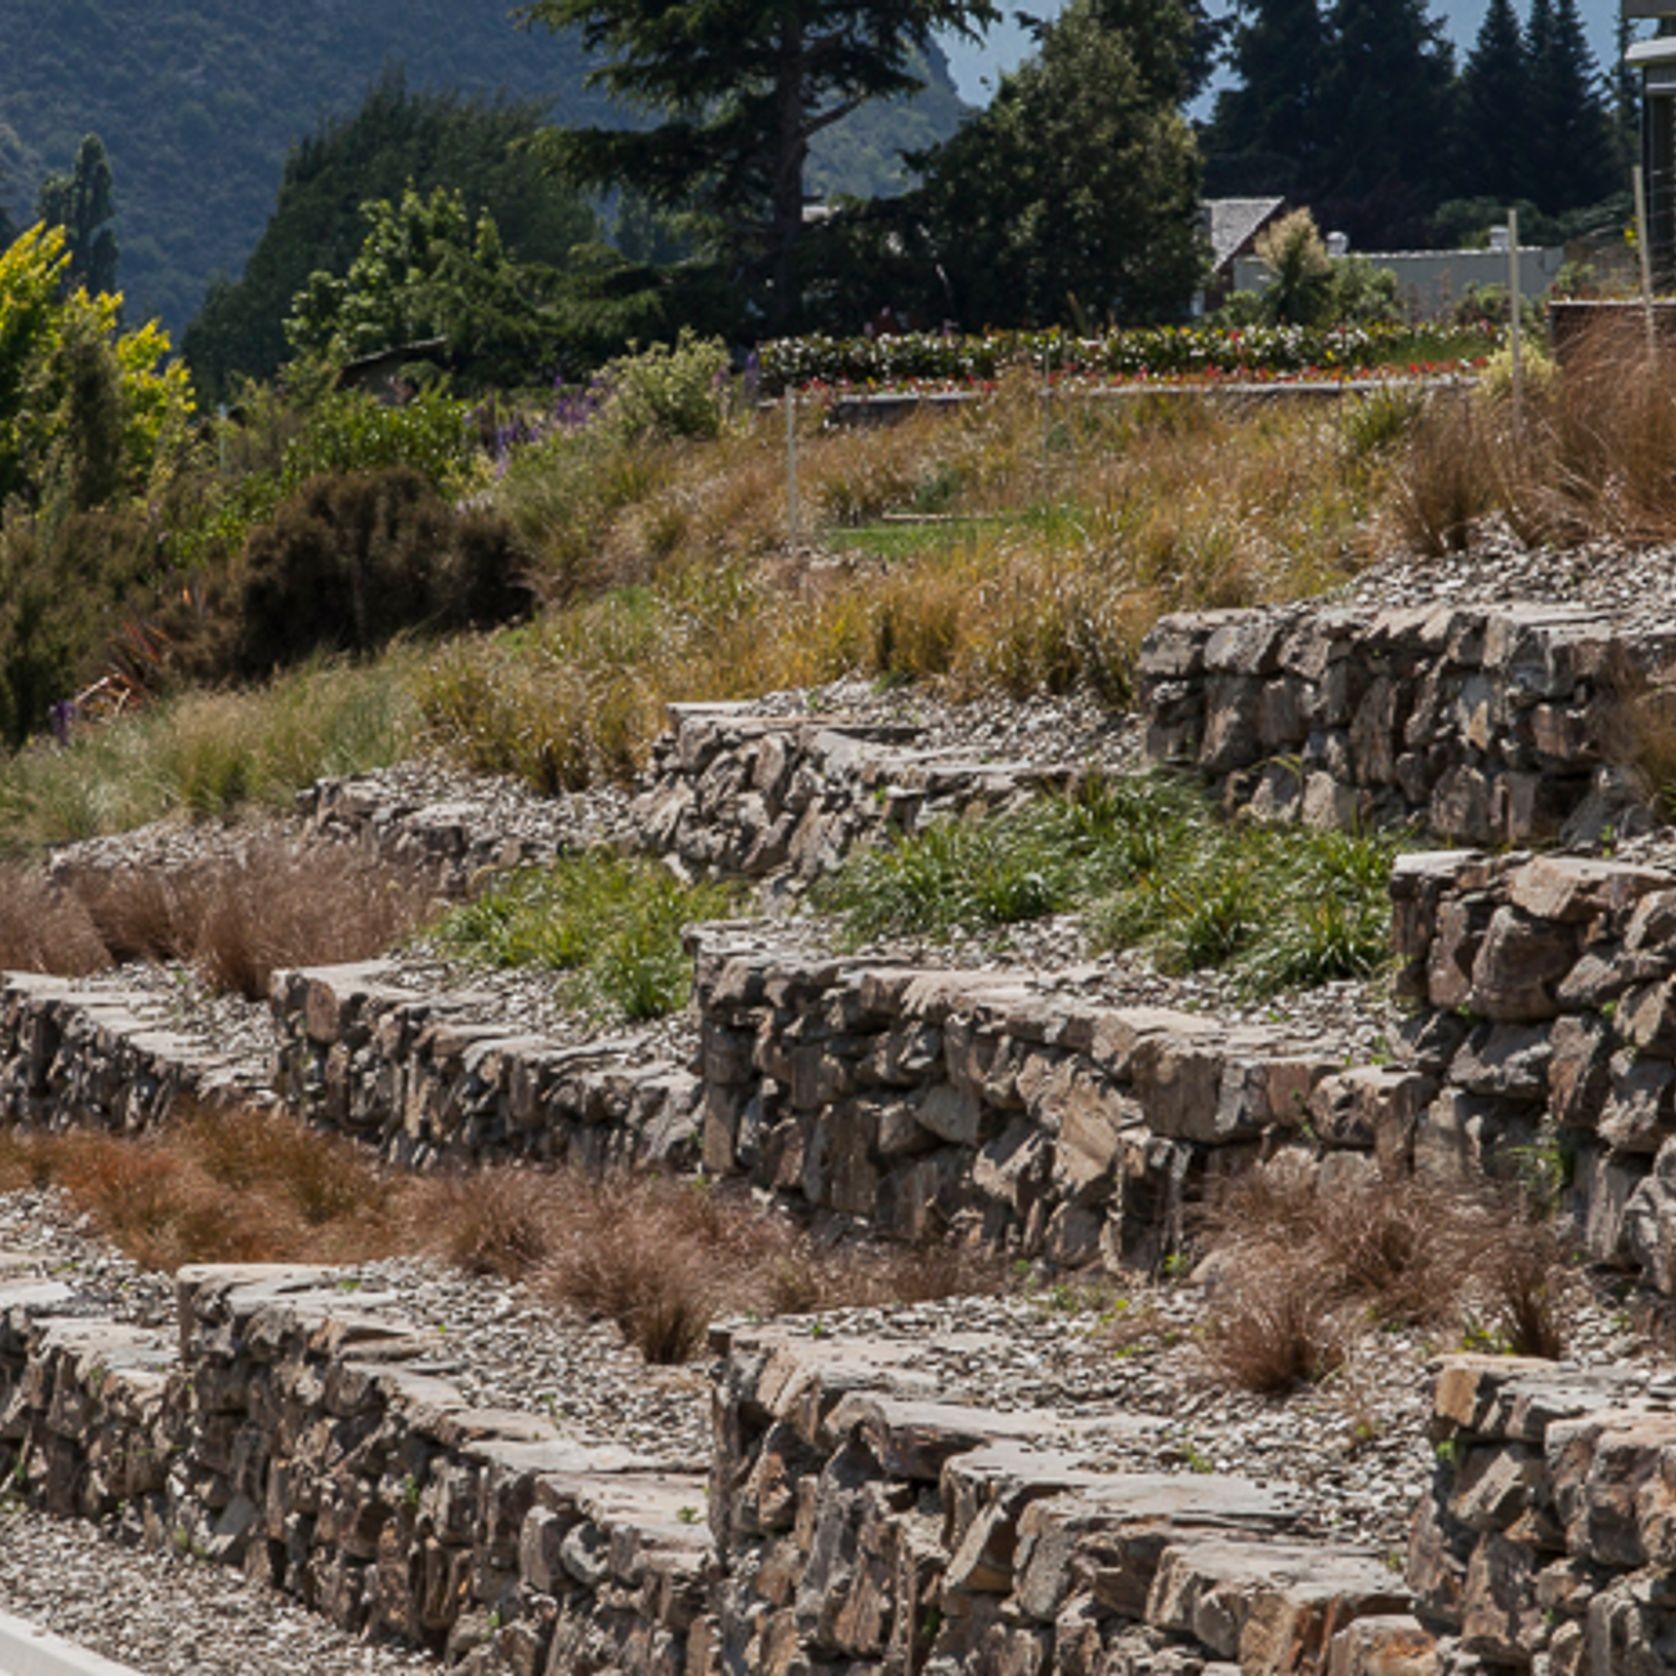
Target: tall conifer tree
(83, 203)
(1386, 100)
(1571, 142)
(1496, 109)
(1269, 121)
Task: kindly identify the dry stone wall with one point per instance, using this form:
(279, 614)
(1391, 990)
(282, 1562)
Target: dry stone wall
(870, 1521)
(296, 1432)
(924, 1102)
(1482, 724)
(425, 1080)
(857, 1521)
(72, 1058)
(1547, 1540)
(734, 792)
(1545, 997)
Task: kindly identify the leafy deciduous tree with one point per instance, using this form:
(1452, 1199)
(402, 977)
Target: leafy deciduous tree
(1079, 186)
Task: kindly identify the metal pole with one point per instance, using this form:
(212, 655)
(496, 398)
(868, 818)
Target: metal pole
(792, 518)
(1644, 250)
(1515, 308)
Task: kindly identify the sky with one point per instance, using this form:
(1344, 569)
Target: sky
(976, 67)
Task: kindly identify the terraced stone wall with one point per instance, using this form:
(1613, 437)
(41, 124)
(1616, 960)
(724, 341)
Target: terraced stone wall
(1545, 990)
(871, 1521)
(857, 1521)
(296, 1432)
(70, 1059)
(1548, 1537)
(733, 792)
(922, 1102)
(426, 1080)
(1482, 724)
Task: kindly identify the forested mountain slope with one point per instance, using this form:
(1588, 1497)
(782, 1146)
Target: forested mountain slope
(198, 102)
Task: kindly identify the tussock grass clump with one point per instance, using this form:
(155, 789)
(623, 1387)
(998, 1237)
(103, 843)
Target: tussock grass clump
(612, 922)
(217, 1188)
(1301, 1272)
(205, 754)
(239, 920)
(1149, 861)
(660, 1257)
(43, 929)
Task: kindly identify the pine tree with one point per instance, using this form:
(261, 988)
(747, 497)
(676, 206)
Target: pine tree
(1496, 109)
(1266, 129)
(738, 90)
(1386, 101)
(1573, 152)
(82, 202)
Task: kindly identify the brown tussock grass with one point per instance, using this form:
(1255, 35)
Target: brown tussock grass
(661, 1258)
(1300, 1273)
(44, 929)
(238, 920)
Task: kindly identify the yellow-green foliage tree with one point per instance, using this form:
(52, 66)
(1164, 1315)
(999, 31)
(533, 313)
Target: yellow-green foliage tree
(88, 412)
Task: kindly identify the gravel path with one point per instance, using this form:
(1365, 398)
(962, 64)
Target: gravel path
(169, 1614)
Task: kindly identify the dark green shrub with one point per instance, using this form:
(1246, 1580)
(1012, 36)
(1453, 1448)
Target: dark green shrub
(350, 562)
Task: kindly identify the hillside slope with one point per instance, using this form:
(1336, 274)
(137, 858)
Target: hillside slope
(198, 102)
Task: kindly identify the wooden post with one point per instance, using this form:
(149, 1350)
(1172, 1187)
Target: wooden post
(1644, 251)
(1515, 325)
(793, 532)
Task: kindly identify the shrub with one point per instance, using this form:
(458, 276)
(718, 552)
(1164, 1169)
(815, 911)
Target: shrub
(352, 561)
(666, 391)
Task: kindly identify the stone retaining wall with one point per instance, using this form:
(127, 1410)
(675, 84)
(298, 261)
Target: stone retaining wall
(76, 1058)
(1483, 724)
(731, 791)
(857, 1521)
(296, 1432)
(426, 1081)
(1548, 1539)
(1545, 990)
(925, 1102)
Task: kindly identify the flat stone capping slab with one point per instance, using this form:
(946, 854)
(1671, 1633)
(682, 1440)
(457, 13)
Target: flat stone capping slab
(27, 1651)
(73, 1056)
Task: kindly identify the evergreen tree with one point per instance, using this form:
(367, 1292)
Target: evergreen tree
(1496, 109)
(739, 91)
(1265, 134)
(1386, 105)
(1077, 190)
(1570, 136)
(82, 202)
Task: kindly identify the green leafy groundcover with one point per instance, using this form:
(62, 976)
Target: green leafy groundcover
(917, 358)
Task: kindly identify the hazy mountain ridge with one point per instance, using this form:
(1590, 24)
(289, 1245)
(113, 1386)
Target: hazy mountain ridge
(198, 102)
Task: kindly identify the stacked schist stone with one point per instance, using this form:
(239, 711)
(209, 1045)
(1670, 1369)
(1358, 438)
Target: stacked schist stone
(734, 792)
(1545, 1022)
(1548, 1539)
(1483, 724)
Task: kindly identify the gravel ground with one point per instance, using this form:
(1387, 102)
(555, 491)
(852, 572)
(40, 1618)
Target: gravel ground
(1353, 1449)
(168, 1614)
(1633, 585)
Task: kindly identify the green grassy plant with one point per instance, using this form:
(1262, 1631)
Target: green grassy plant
(206, 753)
(613, 923)
(1153, 867)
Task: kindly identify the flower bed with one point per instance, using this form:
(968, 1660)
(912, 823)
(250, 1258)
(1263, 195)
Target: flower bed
(919, 360)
